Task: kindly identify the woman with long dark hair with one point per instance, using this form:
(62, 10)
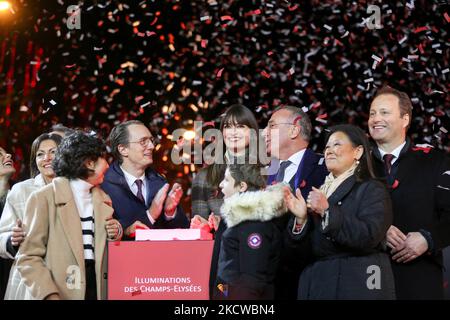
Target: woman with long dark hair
(240, 144)
(346, 227)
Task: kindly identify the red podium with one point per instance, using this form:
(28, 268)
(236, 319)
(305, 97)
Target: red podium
(159, 270)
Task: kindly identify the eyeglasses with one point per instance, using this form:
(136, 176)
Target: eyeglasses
(145, 141)
(273, 125)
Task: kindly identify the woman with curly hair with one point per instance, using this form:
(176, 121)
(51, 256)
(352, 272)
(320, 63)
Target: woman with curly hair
(68, 222)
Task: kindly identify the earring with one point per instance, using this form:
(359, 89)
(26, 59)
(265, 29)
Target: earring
(357, 162)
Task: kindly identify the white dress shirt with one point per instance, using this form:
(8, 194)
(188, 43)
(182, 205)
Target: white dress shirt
(131, 181)
(395, 152)
(295, 159)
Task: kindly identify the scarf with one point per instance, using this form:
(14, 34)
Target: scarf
(332, 183)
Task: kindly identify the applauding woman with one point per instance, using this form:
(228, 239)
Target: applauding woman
(345, 231)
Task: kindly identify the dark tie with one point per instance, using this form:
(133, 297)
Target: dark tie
(139, 184)
(388, 162)
(282, 170)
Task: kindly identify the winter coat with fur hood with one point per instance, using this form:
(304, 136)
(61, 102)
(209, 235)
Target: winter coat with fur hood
(250, 247)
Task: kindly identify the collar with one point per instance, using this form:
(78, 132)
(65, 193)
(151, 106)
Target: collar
(395, 152)
(130, 178)
(296, 158)
(80, 186)
(39, 181)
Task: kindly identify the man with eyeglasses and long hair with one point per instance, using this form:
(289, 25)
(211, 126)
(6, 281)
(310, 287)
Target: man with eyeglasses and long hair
(140, 196)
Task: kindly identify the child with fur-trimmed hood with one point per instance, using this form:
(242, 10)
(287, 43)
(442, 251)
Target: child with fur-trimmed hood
(250, 246)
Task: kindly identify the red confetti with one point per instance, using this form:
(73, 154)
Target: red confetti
(447, 17)
(219, 73)
(265, 74)
(421, 49)
(226, 18)
(420, 29)
(316, 105)
(303, 184)
(395, 184)
(323, 116)
(292, 8)
(154, 21)
(203, 43)
(423, 149)
(254, 12)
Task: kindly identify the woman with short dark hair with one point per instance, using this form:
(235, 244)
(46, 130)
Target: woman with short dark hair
(68, 222)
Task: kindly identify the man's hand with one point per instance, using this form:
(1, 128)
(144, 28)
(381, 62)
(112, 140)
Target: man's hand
(395, 238)
(131, 230)
(18, 234)
(296, 204)
(414, 246)
(173, 199)
(158, 202)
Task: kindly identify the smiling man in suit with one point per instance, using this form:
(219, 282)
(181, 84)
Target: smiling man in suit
(419, 182)
(287, 136)
(140, 196)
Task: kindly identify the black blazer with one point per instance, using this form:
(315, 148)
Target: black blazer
(419, 185)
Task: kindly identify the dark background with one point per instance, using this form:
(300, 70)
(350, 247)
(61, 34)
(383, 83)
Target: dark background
(264, 54)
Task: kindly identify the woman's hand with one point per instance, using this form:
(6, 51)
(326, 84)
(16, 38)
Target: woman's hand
(317, 201)
(18, 234)
(296, 204)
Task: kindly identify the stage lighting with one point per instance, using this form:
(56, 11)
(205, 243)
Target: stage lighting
(4, 5)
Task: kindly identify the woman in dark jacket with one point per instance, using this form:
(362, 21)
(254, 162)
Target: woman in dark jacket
(345, 230)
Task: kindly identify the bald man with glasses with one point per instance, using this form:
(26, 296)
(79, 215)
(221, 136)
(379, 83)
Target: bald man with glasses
(140, 196)
(287, 137)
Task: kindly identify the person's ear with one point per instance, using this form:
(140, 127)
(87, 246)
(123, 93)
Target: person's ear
(123, 150)
(90, 164)
(294, 131)
(406, 120)
(359, 152)
(243, 186)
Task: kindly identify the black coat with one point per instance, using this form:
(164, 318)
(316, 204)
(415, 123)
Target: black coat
(250, 246)
(420, 190)
(128, 208)
(349, 246)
